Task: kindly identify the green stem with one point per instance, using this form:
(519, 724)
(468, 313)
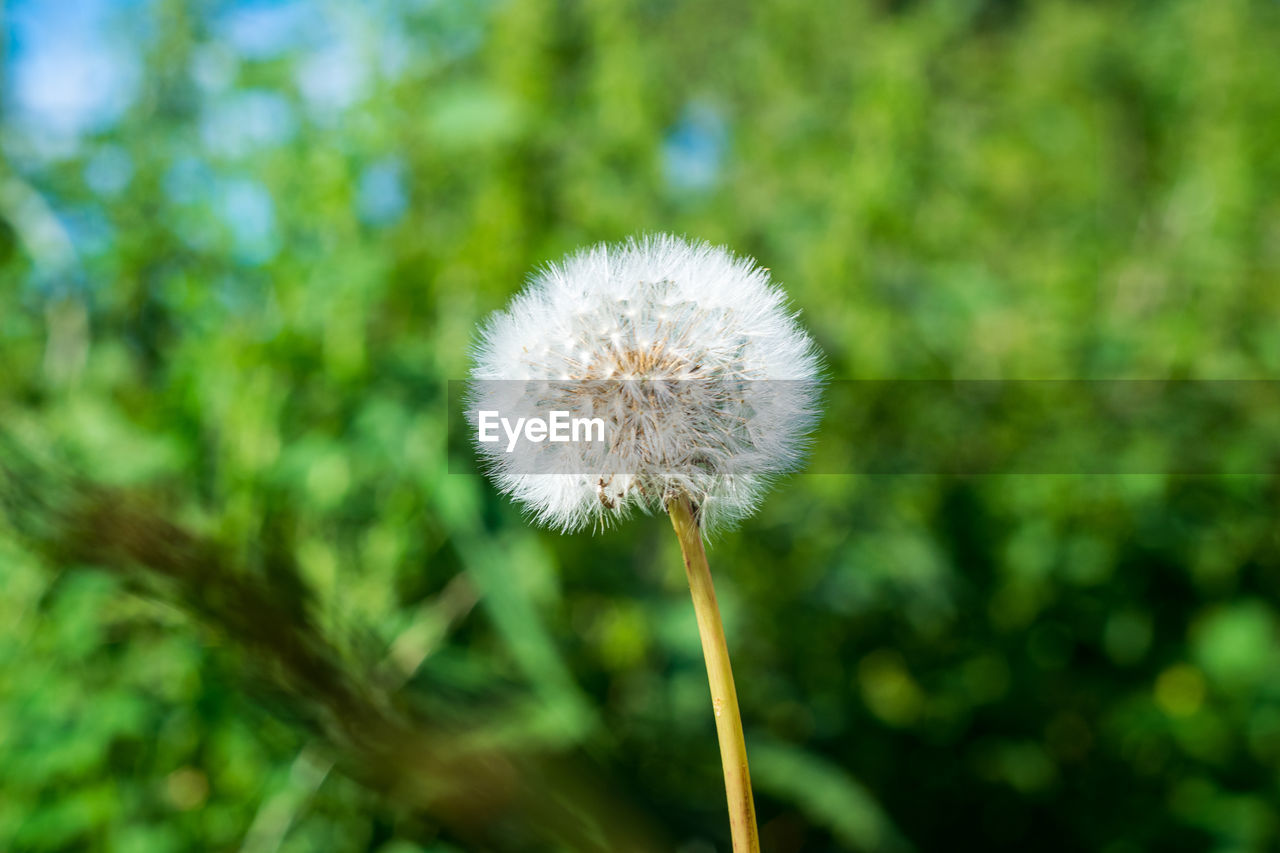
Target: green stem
(724, 698)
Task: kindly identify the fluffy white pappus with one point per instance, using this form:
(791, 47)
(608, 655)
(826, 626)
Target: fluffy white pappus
(705, 382)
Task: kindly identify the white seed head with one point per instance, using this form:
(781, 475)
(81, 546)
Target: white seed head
(706, 384)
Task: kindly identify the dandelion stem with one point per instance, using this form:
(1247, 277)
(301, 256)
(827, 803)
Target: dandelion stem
(724, 698)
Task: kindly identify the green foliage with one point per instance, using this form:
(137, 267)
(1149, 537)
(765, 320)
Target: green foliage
(946, 189)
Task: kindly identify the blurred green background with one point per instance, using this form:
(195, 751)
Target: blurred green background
(245, 245)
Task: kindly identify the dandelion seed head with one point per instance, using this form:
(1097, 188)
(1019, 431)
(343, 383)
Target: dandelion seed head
(688, 353)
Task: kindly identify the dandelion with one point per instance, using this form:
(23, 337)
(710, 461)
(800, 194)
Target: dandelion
(689, 355)
(704, 386)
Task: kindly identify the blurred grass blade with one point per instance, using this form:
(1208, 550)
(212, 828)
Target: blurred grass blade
(826, 793)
